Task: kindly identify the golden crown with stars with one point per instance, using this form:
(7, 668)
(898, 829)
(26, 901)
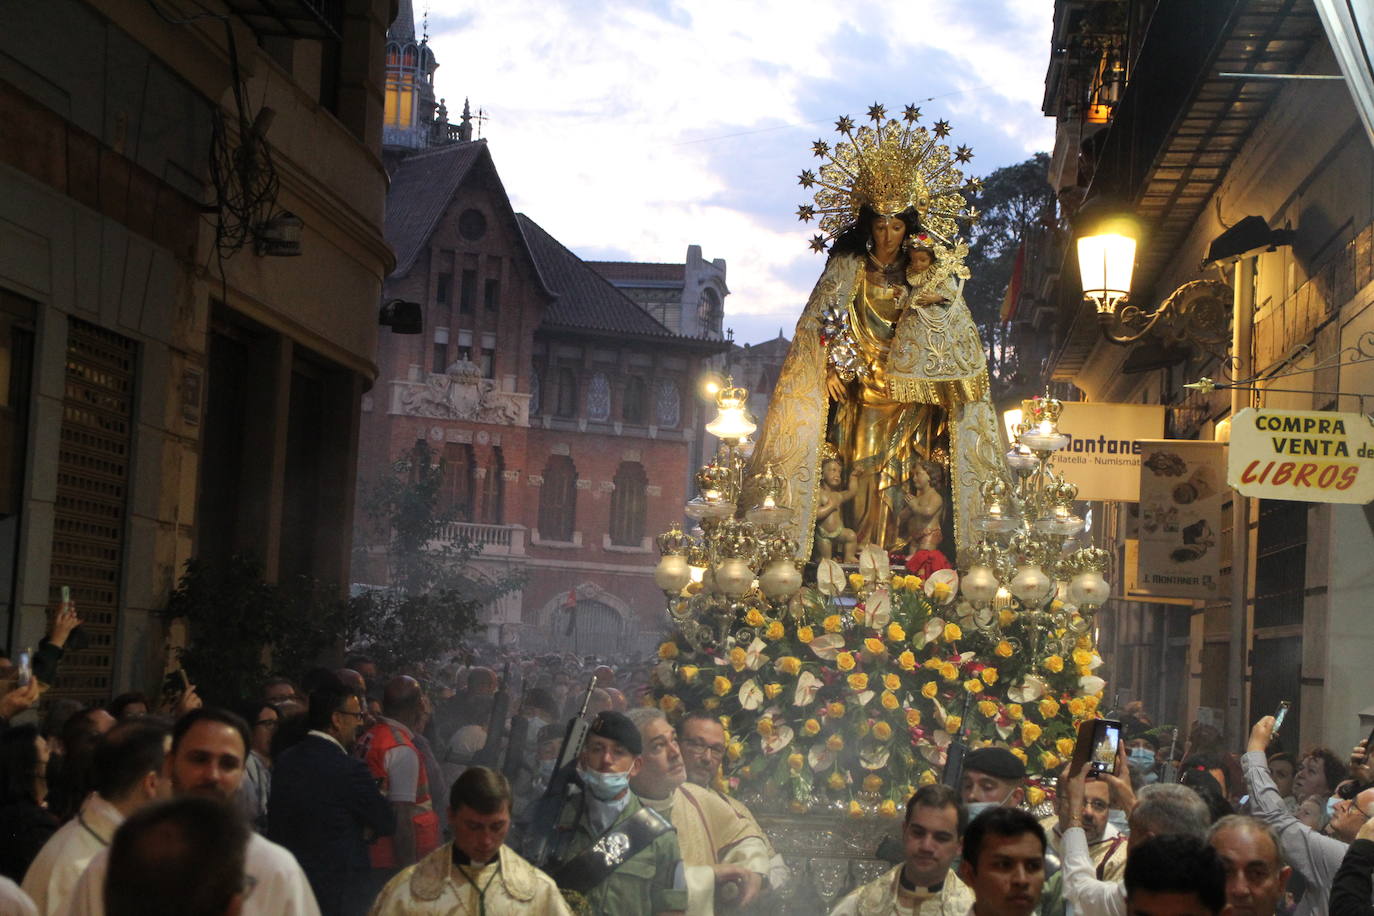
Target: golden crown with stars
(889, 166)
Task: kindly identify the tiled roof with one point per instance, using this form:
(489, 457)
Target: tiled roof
(628, 272)
(421, 189)
(585, 298)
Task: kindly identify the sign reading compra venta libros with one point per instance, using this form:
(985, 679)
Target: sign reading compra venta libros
(1310, 455)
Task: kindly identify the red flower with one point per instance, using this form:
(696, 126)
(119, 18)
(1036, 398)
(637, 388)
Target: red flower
(924, 562)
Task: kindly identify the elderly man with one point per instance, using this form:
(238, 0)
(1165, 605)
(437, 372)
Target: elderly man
(724, 855)
(1106, 844)
(622, 857)
(477, 872)
(923, 885)
(1255, 875)
(1313, 855)
(206, 760)
(701, 738)
(1004, 862)
(128, 774)
(992, 776)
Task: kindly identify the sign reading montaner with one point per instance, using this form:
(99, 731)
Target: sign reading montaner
(1310, 455)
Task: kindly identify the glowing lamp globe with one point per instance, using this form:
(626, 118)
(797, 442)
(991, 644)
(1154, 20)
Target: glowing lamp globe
(781, 579)
(1106, 260)
(1031, 586)
(1089, 589)
(732, 414)
(672, 573)
(979, 584)
(733, 577)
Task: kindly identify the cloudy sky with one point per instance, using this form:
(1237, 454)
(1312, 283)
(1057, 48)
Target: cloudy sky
(630, 129)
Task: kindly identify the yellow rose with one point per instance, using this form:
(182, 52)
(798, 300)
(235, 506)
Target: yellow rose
(855, 809)
(795, 762)
(952, 723)
(734, 750)
(771, 691)
(949, 672)
(914, 582)
(835, 742)
(710, 702)
(856, 581)
(1030, 732)
(1085, 641)
(989, 675)
(811, 727)
(1019, 754)
(805, 635)
(738, 658)
(1090, 704)
(895, 633)
(927, 778)
(668, 702)
(913, 718)
(845, 661)
(874, 646)
(1077, 708)
(973, 685)
(1014, 710)
(835, 709)
(890, 700)
(858, 681)
(836, 780)
(1082, 658)
(832, 624)
(882, 731)
(952, 632)
(688, 673)
(1035, 796)
(1049, 761)
(1004, 649)
(720, 686)
(724, 722)
(888, 808)
(1054, 664)
(1084, 671)
(1006, 617)
(929, 690)
(668, 650)
(789, 664)
(775, 631)
(1049, 708)
(907, 660)
(1064, 746)
(941, 591)
(892, 682)
(859, 614)
(987, 709)
(932, 663)
(754, 618)
(765, 727)
(872, 783)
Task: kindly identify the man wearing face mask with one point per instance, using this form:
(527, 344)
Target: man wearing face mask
(1142, 752)
(993, 777)
(622, 857)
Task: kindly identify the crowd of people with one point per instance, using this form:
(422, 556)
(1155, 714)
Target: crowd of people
(440, 790)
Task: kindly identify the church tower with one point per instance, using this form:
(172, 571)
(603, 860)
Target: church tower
(411, 120)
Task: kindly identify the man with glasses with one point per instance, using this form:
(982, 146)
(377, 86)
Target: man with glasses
(701, 738)
(1314, 856)
(325, 806)
(1106, 844)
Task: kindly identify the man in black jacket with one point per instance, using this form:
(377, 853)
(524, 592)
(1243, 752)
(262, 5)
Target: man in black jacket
(325, 806)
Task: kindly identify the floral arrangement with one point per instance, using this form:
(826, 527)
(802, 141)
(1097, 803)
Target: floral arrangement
(848, 697)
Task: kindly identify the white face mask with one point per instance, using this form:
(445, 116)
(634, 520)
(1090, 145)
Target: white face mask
(976, 808)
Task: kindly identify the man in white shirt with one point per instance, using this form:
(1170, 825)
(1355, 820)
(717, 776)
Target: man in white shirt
(208, 749)
(128, 774)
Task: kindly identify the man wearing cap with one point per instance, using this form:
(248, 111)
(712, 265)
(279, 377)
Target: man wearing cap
(726, 858)
(993, 776)
(622, 857)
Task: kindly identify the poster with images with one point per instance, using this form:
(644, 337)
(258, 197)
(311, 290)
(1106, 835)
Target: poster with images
(1182, 488)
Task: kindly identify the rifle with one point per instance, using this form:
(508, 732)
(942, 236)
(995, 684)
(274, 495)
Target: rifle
(546, 810)
(953, 773)
(573, 739)
(1169, 772)
(490, 754)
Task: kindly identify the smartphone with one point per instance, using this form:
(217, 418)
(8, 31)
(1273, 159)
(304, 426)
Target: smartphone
(1279, 716)
(1369, 746)
(1096, 746)
(25, 668)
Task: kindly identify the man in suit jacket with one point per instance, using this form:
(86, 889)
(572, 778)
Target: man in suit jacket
(325, 806)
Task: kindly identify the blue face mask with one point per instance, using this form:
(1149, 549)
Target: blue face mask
(976, 808)
(1142, 758)
(604, 786)
(1331, 804)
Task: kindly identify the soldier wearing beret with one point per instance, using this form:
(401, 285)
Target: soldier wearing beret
(993, 777)
(619, 856)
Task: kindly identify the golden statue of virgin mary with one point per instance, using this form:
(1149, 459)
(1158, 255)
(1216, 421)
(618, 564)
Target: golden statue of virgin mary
(886, 370)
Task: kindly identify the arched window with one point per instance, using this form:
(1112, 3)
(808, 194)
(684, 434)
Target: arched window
(493, 489)
(567, 394)
(558, 499)
(709, 312)
(456, 495)
(633, 408)
(628, 505)
(599, 398)
(667, 403)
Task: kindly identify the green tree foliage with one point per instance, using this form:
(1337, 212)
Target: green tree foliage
(431, 601)
(1015, 200)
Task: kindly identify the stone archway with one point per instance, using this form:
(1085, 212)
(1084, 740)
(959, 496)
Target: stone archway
(588, 620)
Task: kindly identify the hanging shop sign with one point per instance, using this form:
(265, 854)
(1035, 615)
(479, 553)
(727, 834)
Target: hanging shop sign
(1182, 487)
(1104, 450)
(1307, 455)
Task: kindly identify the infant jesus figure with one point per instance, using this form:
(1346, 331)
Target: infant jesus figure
(833, 539)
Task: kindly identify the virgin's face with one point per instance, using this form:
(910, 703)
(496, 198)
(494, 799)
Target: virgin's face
(888, 232)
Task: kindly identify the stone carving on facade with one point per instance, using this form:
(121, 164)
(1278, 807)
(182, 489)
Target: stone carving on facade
(461, 393)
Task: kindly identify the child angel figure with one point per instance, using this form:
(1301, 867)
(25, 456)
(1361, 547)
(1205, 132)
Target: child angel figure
(833, 539)
(935, 345)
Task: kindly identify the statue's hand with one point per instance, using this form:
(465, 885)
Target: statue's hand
(835, 387)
